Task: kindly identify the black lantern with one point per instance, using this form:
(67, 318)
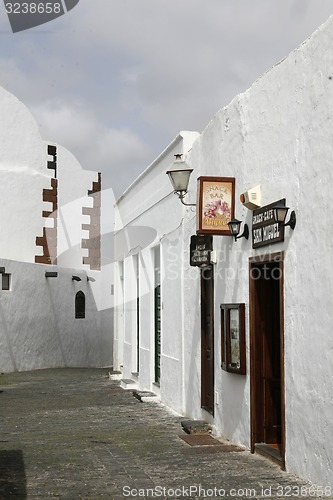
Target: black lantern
(280, 213)
(234, 226)
(179, 177)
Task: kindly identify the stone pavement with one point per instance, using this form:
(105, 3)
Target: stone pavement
(75, 434)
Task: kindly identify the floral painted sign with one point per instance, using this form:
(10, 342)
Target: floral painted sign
(215, 207)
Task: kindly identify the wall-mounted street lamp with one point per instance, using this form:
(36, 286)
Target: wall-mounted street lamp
(280, 213)
(234, 226)
(76, 278)
(179, 177)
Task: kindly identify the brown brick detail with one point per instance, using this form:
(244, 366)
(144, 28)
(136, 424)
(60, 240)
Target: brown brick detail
(93, 243)
(94, 263)
(49, 242)
(92, 211)
(91, 228)
(41, 259)
(52, 164)
(97, 186)
(49, 214)
(51, 195)
(49, 239)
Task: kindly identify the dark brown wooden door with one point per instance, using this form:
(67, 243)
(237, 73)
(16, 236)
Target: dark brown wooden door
(207, 339)
(266, 355)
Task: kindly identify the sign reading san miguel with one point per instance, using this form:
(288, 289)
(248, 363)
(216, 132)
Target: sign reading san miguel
(264, 228)
(200, 248)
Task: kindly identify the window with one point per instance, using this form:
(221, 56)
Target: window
(80, 305)
(6, 281)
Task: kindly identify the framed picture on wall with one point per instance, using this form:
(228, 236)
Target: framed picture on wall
(215, 205)
(233, 352)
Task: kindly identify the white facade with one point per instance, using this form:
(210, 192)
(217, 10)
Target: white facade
(150, 222)
(23, 176)
(38, 328)
(278, 134)
(47, 222)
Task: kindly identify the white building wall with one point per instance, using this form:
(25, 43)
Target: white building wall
(141, 228)
(172, 361)
(278, 134)
(22, 178)
(38, 328)
(74, 183)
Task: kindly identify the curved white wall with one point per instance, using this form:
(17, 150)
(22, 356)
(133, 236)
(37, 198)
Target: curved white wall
(23, 175)
(38, 328)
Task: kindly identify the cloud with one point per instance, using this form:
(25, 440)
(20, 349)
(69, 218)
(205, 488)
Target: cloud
(97, 147)
(114, 81)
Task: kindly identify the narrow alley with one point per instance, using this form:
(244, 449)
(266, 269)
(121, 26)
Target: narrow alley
(75, 434)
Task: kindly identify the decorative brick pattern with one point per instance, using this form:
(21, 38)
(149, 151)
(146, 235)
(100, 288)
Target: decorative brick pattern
(93, 243)
(52, 164)
(49, 239)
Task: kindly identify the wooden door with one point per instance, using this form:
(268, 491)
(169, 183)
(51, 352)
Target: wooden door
(207, 339)
(267, 389)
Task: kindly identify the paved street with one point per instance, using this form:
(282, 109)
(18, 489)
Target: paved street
(75, 434)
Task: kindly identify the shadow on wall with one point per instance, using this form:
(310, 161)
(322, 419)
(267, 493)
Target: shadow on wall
(12, 475)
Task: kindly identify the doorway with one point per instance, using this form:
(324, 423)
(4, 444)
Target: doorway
(267, 356)
(157, 315)
(207, 338)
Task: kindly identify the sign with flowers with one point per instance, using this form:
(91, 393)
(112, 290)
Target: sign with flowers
(216, 204)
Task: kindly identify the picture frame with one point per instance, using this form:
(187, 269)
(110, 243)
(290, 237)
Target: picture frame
(215, 205)
(233, 345)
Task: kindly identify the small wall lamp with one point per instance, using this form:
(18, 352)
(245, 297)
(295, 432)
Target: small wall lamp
(280, 213)
(234, 226)
(2, 270)
(51, 274)
(179, 177)
(76, 278)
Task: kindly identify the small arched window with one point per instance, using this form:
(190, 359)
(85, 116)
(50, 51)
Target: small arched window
(80, 305)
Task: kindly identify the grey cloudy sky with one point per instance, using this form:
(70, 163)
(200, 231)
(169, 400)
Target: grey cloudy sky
(114, 81)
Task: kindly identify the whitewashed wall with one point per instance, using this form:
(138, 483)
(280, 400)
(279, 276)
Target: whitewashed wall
(23, 175)
(280, 134)
(74, 183)
(38, 328)
(37, 324)
(148, 215)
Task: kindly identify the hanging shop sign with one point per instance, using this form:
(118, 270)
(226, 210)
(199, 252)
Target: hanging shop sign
(200, 249)
(215, 205)
(265, 230)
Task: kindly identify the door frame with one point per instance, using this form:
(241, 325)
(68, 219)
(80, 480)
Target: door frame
(157, 308)
(207, 339)
(278, 258)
